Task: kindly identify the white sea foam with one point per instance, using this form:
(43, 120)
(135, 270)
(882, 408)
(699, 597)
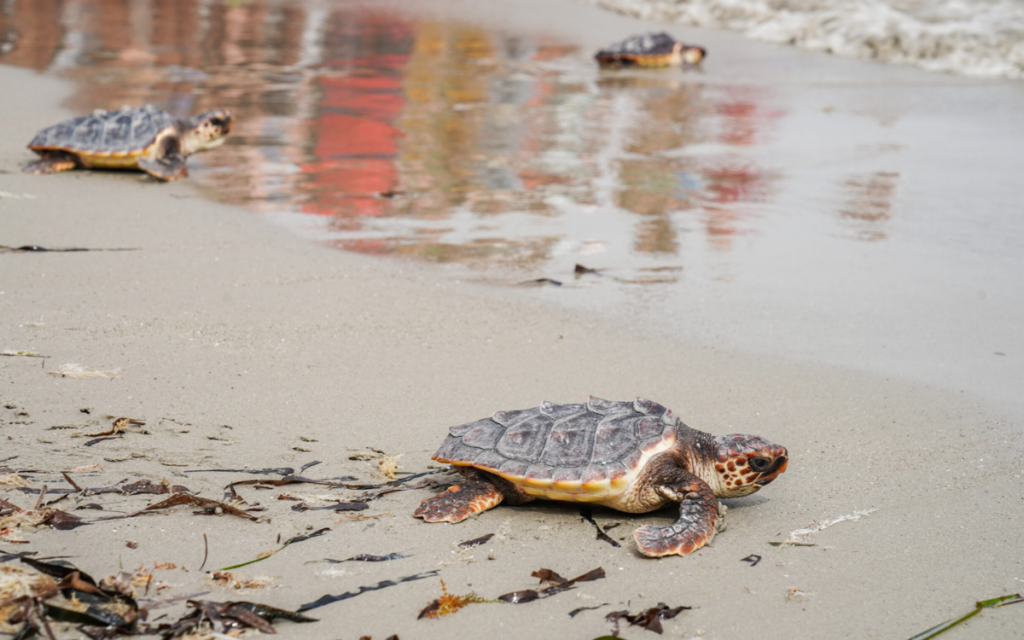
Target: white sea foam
(983, 38)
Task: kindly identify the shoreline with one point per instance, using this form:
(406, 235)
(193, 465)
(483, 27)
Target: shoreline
(241, 345)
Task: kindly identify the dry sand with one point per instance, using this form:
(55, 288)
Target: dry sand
(239, 345)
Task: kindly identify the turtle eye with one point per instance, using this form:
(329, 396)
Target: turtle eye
(760, 464)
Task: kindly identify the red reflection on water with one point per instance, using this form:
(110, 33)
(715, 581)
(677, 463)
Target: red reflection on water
(483, 134)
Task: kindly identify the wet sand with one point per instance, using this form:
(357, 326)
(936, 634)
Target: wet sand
(240, 345)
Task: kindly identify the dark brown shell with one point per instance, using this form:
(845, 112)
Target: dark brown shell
(645, 44)
(562, 443)
(103, 132)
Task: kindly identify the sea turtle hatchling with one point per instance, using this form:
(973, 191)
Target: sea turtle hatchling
(145, 138)
(650, 50)
(631, 456)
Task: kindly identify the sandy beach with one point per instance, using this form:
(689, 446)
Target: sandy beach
(242, 346)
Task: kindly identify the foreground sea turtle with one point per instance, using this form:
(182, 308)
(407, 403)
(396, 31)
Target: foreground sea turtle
(144, 138)
(650, 50)
(631, 456)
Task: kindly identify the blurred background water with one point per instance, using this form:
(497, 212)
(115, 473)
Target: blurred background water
(775, 201)
(983, 38)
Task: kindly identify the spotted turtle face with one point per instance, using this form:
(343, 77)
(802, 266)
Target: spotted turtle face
(212, 126)
(744, 464)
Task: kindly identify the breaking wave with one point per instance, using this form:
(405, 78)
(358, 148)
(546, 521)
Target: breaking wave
(982, 38)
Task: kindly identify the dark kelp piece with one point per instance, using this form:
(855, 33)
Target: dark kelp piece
(384, 584)
(35, 248)
(7, 557)
(537, 282)
(547, 575)
(575, 612)
(280, 471)
(224, 617)
(104, 606)
(148, 486)
(116, 430)
(649, 619)
(588, 514)
(753, 559)
(337, 506)
(206, 506)
(60, 520)
(293, 540)
(580, 270)
(476, 542)
(368, 557)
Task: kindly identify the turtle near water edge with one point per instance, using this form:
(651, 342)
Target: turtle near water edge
(145, 138)
(631, 456)
(650, 50)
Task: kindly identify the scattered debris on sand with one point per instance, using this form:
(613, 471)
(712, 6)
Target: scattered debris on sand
(649, 619)
(798, 537)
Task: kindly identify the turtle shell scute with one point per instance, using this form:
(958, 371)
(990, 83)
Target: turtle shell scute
(589, 442)
(106, 132)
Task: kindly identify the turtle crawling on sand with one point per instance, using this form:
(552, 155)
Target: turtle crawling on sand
(631, 456)
(650, 50)
(144, 138)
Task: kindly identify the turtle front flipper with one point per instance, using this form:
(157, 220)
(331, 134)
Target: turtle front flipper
(52, 162)
(167, 161)
(698, 513)
(473, 495)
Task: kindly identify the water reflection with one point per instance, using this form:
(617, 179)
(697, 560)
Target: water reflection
(434, 139)
(869, 204)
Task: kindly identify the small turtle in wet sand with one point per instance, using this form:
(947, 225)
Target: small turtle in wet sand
(631, 456)
(144, 138)
(650, 50)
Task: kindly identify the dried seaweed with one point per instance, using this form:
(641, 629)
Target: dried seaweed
(23, 354)
(13, 517)
(560, 584)
(290, 541)
(448, 604)
(281, 471)
(588, 514)
(574, 612)
(337, 506)
(131, 489)
(649, 619)
(1001, 601)
(35, 248)
(537, 282)
(226, 617)
(262, 483)
(384, 584)
(476, 542)
(368, 557)
(205, 505)
(753, 559)
(580, 270)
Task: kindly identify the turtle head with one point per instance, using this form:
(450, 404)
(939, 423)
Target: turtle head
(206, 131)
(744, 464)
(693, 55)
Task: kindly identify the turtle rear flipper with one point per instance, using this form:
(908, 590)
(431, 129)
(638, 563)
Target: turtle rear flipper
(473, 495)
(167, 163)
(52, 162)
(698, 513)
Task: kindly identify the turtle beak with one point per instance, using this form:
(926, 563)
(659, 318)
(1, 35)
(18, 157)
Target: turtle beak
(225, 123)
(781, 462)
(694, 55)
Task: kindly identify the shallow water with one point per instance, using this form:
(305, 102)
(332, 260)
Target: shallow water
(775, 201)
(983, 38)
